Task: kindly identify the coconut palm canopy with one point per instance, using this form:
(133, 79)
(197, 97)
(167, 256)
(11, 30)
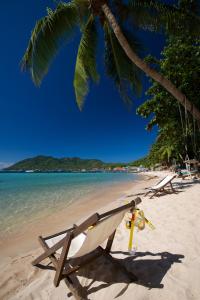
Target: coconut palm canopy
(59, 25)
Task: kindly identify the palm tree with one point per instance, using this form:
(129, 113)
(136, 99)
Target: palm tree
(121, 47)
(166, 152)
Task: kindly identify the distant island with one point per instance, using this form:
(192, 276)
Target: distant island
(44, 163)
(49, 163)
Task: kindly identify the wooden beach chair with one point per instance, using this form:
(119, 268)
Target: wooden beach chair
(187, 174)
(73, 248)
(161, 186)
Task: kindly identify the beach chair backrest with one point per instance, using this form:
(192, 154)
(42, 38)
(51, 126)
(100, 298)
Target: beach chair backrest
(75, 244)
(163, 182)
(97, 234)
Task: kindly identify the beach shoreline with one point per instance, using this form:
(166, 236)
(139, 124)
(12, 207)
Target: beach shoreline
(166, 262)
(23, 245)
(26, 235)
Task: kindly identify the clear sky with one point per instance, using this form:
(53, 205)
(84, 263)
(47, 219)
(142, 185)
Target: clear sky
(46, 120)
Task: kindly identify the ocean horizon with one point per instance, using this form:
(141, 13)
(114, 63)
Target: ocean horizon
(26, 197)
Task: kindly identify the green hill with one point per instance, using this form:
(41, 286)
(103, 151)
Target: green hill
(48, 163)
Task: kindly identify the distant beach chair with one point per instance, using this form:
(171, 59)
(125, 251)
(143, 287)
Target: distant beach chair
(73, 248)
(161, 185)
(184, 174)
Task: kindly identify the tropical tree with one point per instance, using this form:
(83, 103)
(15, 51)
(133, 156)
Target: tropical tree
(178, 134)
(121, 47)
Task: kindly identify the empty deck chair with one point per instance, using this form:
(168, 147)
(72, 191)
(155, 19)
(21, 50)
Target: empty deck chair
(71, 249)
(187, 174)
(161, 185)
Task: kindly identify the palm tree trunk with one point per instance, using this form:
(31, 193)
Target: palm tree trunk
(164, 82)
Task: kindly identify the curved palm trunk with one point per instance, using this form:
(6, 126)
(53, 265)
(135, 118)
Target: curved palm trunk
(168, 85)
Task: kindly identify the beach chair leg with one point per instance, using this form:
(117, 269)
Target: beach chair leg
(147, 193)
(48, 252)
(41, 258)
(61, 263)
(154, 193)
(46, 247)
(173, 190)
(110, 242)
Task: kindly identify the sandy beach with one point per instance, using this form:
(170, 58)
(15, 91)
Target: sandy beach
(166, 262)
(100, 150)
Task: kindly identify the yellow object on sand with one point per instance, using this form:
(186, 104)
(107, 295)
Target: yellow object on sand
(132, 231)
(138, 220)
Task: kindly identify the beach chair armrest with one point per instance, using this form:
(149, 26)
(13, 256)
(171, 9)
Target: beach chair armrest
(87, 223)
(130, 205)
(58, 233)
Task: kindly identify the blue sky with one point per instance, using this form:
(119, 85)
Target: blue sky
(46, 120)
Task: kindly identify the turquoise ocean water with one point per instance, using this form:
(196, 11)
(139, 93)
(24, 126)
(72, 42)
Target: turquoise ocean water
(25, 196)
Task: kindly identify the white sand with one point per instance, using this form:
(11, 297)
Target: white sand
(167, 261)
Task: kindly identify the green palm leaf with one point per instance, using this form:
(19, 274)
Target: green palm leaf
(85, 68)
(155, 15)
(166, 151)
(146, 14)
(126, 76)
(186, 19)
(26, 62)
(83, 10)
(46, 38)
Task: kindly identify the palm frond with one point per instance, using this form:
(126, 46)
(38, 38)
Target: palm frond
(26, 62)
(46, 39)
(154, 15)
(146, 14)
(85, 68)
(125, 74)
(186, 19)
(83, 10)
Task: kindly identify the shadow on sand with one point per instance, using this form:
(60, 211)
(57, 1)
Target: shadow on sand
(150, 268)
(178, 186)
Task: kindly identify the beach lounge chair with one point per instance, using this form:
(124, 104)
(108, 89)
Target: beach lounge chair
(69, 250)
(187, 174)
(161, 185)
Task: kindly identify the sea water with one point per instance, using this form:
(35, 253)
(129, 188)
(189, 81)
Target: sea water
(26, 196)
